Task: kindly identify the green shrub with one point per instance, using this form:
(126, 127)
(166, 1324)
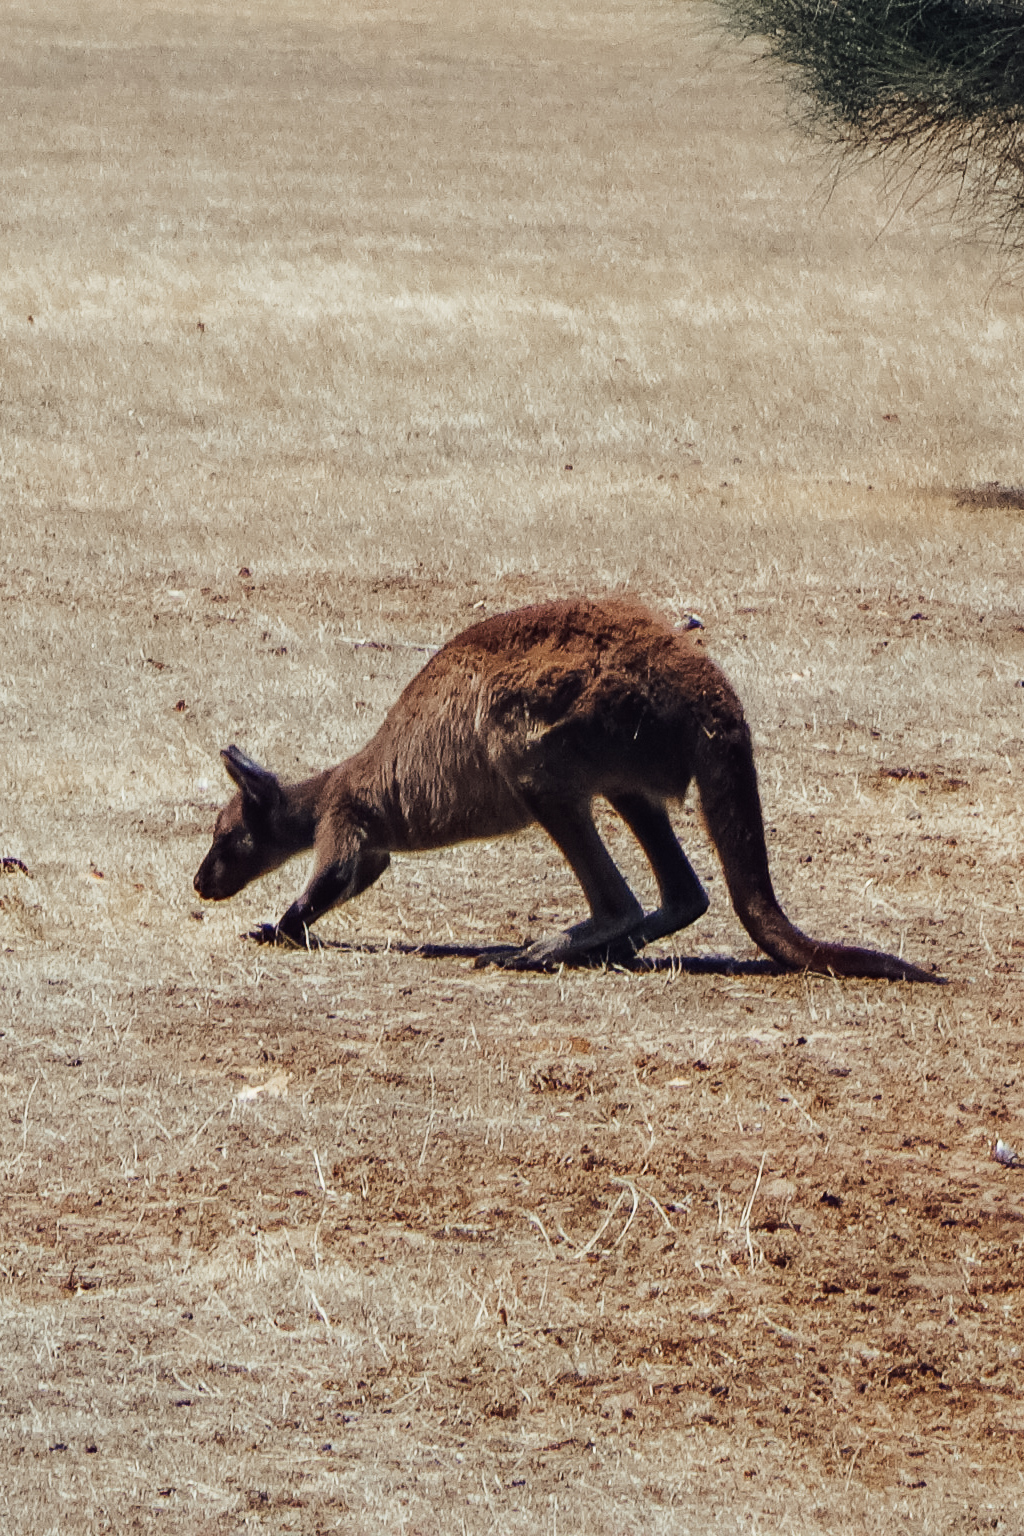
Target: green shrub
(939, 84)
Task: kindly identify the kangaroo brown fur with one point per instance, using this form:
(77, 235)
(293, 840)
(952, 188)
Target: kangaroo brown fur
(525, 718)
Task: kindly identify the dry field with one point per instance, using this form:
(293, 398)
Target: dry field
(326, 330)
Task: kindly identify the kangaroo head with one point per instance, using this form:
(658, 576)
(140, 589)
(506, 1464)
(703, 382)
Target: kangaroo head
(250, 836)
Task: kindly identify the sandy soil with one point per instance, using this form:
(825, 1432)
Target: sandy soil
(375, 1237)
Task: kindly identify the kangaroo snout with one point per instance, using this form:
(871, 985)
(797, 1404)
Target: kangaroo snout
(202, 884)
(212, 880)
(211, 889)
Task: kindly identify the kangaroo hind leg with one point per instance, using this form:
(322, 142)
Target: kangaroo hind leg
(683, 898)
(614, 910)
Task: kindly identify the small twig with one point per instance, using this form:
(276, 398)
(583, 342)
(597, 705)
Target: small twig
(657, 1206)
(745, 1218)
(24, 1116)
(535, 1221)
(626, 1187)
(199, 1131)
(629, 1219)
(196, 1386)
(430, 1120)
(361, 1074)
(581, 1253)
(784, 1333)
(640, 1106)
(319, 1310)
(365, 642)
(788, 1097)
(406, 1396)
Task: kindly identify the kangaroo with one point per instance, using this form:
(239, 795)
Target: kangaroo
(524, 718)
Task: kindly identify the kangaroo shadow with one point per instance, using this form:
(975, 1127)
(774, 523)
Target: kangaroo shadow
(498, 955)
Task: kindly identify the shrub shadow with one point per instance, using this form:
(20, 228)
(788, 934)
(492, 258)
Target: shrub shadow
(991, 495)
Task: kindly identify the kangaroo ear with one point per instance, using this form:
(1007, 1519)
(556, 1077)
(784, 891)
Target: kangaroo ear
(257, 784)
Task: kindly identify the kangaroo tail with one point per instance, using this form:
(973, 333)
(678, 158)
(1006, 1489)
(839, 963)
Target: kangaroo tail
(727, 781)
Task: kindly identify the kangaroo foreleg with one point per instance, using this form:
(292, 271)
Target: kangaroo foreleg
(683, 898)
(614, 910)
(332, 884)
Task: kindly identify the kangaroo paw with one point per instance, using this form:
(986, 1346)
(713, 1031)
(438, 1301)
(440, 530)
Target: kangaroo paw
(271, 933)
(266, 933)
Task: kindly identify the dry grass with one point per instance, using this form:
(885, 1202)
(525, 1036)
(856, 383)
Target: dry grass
(304, 321)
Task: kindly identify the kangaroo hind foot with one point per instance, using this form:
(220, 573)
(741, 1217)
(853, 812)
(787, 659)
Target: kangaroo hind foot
(582, 944)
(614, 910)
(276, 933)
(683, 898)
(618, 926)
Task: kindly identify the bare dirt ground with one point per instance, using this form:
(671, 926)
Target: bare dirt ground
(326, 331)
